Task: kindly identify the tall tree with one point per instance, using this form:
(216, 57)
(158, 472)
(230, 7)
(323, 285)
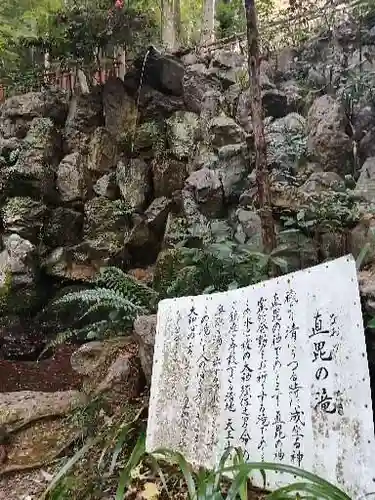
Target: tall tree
(208, 24)
(262, 176)
(171, 23)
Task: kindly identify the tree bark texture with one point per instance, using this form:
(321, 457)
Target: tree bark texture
(208, 25)
(262, 176)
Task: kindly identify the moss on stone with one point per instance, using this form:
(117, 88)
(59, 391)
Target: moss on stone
(167, 268)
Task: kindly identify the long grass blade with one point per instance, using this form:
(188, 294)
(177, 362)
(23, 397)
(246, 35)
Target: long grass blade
(69, 464)
(134, 460)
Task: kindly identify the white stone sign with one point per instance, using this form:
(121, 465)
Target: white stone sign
(279, 369)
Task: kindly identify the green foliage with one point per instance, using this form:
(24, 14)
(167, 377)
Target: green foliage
(206, 485)
(111, 444)
(230, 17)
(356, 86)
(336, 212)
(111, 306)
(219, 265)
(123, 454)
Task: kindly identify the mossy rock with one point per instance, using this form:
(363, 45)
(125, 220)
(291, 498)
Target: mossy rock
(150, 135)
(18, 298)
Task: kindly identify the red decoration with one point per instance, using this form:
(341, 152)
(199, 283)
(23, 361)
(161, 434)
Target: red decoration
(119, 4)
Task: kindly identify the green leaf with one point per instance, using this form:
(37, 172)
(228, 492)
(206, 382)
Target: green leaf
(134, 460)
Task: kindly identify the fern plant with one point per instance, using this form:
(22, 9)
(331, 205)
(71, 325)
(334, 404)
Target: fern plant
(111, 306)
(221, 266)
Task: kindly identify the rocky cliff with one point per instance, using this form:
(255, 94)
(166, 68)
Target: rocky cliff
(122, 174)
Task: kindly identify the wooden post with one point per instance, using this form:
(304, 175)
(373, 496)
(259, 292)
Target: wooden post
(262, 176)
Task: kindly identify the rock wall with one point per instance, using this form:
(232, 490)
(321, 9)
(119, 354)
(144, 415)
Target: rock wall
(83, 187)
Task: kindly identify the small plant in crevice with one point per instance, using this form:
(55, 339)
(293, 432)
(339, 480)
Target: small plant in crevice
(111, 306)
(335, 213)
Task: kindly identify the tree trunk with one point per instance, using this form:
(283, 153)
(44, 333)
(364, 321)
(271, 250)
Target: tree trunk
(262, 177)
(177, 20)
(168, 24)
(208, 25)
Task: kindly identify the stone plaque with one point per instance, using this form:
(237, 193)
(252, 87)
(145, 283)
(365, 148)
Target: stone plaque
(279, 369)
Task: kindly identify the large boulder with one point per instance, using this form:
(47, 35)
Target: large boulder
(85, 115)
(232, 168)
(149, 138)
(157, 213)
(286, 141)
(249, 228)
(182, 130)
(169, 175)
(17, 112)
(19, 291)
(102, 152)
(323, 181)
(366, 182)
(63, 227)
(105, 226)
(72, 179)
(133, 180)
(162, 72)
(33, 174)
(195, 84)
(207, 191)
(111, 369)
(106, 186)
(120, 110)
(328, 141)
(26, 217)
(224, 131)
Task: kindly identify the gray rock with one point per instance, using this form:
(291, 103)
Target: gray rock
(17, 112)
(21, 405)
(25, 217)
(18, 276)
(34, 171)
(300, 252)
(72, 180)
(150, 136)
(363, 234)
(105, 226)
(328, 142)
(144, 333)
(207, 191)
(106, 186)
(228, 59)
(102, 152)
(63, 228)
(323, 181)
(133, 180)
(119, 108)
(251, 226)
(224, 131)
(366, 183)
(169, 175)
(182, 128)
(195, 84)
(156, 214)
(85, 115)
